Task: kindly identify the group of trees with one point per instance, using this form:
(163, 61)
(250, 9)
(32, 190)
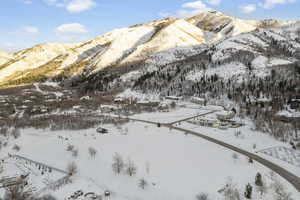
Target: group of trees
(128, 167)
(6, 131)
(22, 192)
(231, 191)
(119, 165)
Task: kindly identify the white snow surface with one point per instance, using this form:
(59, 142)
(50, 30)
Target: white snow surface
(175, 165)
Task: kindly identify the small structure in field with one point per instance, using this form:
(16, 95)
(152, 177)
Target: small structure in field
(85, 98)
(225, 115)
(78, 108)
(102, 130)
(148, 103)
(263, 102)
(295, 102)
(198, 100)
(39, 110)
(163, 107)
(108, 108)
(174, 98)
(121, 100)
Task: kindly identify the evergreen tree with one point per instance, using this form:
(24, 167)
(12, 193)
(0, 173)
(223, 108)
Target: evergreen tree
(248, 191)
(258, 180)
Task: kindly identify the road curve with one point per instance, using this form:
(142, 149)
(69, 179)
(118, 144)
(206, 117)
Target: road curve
(291, 178)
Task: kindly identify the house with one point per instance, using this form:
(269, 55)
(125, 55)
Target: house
(198, 100)
(294, 102)
(225, 115)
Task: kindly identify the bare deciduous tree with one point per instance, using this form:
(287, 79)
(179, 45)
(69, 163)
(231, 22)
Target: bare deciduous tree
(75, 153)
(147, 167)
(279, 191)
(17, 192)
(130, 167)
(15, 133)
(231, 192)
(92, 152)
(118, 163)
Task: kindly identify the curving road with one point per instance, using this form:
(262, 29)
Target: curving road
(291, 178)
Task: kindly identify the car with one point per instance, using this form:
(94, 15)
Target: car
(91, 195)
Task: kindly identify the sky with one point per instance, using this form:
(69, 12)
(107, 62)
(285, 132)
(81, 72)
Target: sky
(25, 23)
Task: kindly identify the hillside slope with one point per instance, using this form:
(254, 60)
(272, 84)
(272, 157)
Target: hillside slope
(260, 54)
(151, 44)
(4, 57)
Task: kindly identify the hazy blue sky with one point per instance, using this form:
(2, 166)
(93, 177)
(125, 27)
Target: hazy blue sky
(25, 23)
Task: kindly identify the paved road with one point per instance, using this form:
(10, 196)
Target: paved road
(291, 178)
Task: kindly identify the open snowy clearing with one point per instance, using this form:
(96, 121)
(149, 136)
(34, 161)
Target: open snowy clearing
(185, 110)
(175, 166)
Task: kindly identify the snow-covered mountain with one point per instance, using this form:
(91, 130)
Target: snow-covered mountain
(149, 46)
(4, 57)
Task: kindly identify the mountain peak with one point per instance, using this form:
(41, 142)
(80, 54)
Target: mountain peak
(128, 46)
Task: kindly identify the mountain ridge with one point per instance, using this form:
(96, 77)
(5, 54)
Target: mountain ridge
(129, 46)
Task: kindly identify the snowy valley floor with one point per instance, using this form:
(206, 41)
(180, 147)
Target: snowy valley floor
(176, 166)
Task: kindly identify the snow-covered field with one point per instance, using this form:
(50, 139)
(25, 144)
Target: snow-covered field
(176, 166)
(184, 111)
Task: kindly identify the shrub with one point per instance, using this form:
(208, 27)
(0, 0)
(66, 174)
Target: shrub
(16, 147)
(143, 183)
(92, 152)
(202, 196)
(72, 168)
